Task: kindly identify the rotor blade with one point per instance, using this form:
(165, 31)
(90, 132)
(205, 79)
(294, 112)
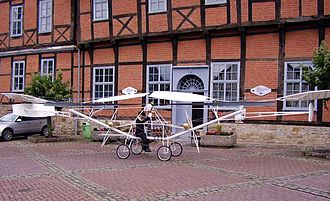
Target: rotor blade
(244, 103)
(179, 96)
(305, 96)
(24, 98)
(121, 97)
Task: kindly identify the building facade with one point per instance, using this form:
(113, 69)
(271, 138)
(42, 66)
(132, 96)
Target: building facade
(217, 48)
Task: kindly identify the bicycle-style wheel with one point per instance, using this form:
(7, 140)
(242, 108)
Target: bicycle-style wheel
(164, 153)
(176, 149)
(123, 151)
(136, 147)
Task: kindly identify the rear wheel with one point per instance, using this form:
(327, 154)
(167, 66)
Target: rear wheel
(176, 149)
(164, 153)
(123, 151)
(7, 134)
(44, 131)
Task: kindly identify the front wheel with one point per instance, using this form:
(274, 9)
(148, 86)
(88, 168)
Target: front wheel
(123, 151)
(136, 147)
(44, 131)
(176, 149)
(7, 134)
(164, 153)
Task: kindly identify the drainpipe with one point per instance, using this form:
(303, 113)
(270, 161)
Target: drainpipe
(78, 91)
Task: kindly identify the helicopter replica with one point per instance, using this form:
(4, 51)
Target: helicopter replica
(169, 146)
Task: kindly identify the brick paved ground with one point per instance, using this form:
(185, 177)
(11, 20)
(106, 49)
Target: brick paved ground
(85, 171)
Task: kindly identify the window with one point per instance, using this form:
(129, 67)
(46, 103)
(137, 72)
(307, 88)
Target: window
(16, 20)
(47, 68)
(225, 81)
(210, 2)
(45, 16)
(156, 6)
(103, 85)
(100, 10)
(293, 83)
(159, 79)
(18, 76)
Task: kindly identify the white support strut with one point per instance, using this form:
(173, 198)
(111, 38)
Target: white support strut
(102, 124)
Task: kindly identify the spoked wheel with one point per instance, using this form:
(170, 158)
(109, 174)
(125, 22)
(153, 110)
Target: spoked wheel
(7, 134)
(136, 147)
(44, 131)
(176, 149)
(123, 151)
(164, 153)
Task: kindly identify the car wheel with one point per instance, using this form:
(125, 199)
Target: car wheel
(44, 131)
(7, 134)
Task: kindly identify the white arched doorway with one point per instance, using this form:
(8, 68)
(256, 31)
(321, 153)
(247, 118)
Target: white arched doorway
(190, 80)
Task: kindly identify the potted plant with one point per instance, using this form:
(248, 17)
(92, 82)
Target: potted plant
(219, 136)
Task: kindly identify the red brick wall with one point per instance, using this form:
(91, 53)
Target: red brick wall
(159, 51)
(61, 15)
(16, 42)
(226, 48)
(191, 50)
(181, 3)
(85, 6)
(30, 18)
(117, 26)
(327, 37)
(32, 64)
(301, 43)
(245, 10)
(326, 112)
(85, 23)
(215, 16)
(256, 46)
(130, 75)
(103, 56)
(130, 53)
(194, 17)
(309, 7)
(326, 7)
(4, 16)
(5, 74)
(158, 22)
(289, 8)
(101, 30)
(263, 11)
(233, 11)
(124, 6)
(261, 73)
(62, 12)
(63, 61)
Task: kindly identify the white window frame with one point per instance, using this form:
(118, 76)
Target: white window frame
(103, 83)
(101, 2)
(286, 81)
(14, 22)
(47, 16)
(158, 82)
(47, 61)
(157, 11)
(225, 81)
(18, 76)
(207, 2)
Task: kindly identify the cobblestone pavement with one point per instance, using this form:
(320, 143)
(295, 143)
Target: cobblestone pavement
(85, 171)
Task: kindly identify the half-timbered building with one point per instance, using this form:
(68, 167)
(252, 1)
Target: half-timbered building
(219, 48)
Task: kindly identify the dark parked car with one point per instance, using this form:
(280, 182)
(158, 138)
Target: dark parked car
(13, 125)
